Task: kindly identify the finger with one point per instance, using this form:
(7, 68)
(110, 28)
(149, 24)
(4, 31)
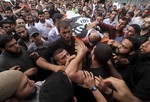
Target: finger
(83, 74)
(87, 74)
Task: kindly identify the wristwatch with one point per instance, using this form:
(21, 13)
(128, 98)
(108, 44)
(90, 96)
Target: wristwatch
(94, 88)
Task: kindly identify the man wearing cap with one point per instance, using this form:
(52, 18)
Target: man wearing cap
(38, 43)
(15, 86)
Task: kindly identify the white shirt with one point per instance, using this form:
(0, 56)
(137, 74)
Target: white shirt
(137, 20)
(43, 28)
(53, 34)
(107, 21)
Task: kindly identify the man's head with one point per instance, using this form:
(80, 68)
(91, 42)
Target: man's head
(146, 23)
(35, 35)
(129, 15)
(132, 30)
(9, 44)
(101, 53)
(57, 17)
(15, 86)
(128, 45)
(57, 88)
(145, 47)
(113, 14)
(21, 31)
(20, 21)
(60, 56)
(122, 23)
(93, 37)
(8, 12)
(144, 13)
(23, 12)
(6, 25)
(65, 31)
(29, 18)
(41, 16)
(47, 14)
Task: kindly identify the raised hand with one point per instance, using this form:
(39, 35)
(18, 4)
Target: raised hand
(88, 79)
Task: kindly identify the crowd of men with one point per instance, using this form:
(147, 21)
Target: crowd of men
(76, 51)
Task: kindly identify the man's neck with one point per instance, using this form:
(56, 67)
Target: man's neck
(96, 65)
(144, 31)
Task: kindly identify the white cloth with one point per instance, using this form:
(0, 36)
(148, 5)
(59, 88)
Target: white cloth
(137, 20)
(53, 34)
(43, 28)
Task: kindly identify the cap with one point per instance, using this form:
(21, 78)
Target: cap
(32, 31)
(10, 81)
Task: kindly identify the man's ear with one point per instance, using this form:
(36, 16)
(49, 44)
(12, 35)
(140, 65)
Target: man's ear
(11, 100)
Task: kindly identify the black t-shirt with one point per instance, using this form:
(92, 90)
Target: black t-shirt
(102, 71)
(139, 79)
(85, 95)
(48, 53)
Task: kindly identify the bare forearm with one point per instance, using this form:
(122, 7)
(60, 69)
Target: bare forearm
(45, 65)
(98, 96)
(126, 98)
(114, 72)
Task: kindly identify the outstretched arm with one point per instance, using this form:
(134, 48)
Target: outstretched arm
(122, 92)
(73, 69)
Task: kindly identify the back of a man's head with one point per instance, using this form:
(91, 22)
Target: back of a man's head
(57, 88)
(63, 24)
(102, 53)
(9, 83)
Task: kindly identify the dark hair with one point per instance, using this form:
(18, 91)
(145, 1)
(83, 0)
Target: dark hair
(137, 28)
(135, 41)
(127, 20)
(68, 5)
(102, 53)
(4, 38)
(131, 13)
(56, 16)
(56, 53)
(57, 88)
(40, 12)
(113, 11)
(8, 9)
(63, 24)
(5, 21)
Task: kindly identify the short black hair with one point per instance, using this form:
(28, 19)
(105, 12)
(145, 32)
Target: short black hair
(8, 9)
(63, 24)
(131, 13)
(57, 88)
(5, 38)
(56, 52)
(40, 12)
(56, 16)
(5, 21)
(102, 53)
(137, 28)
(135, 41)
(127, 20)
